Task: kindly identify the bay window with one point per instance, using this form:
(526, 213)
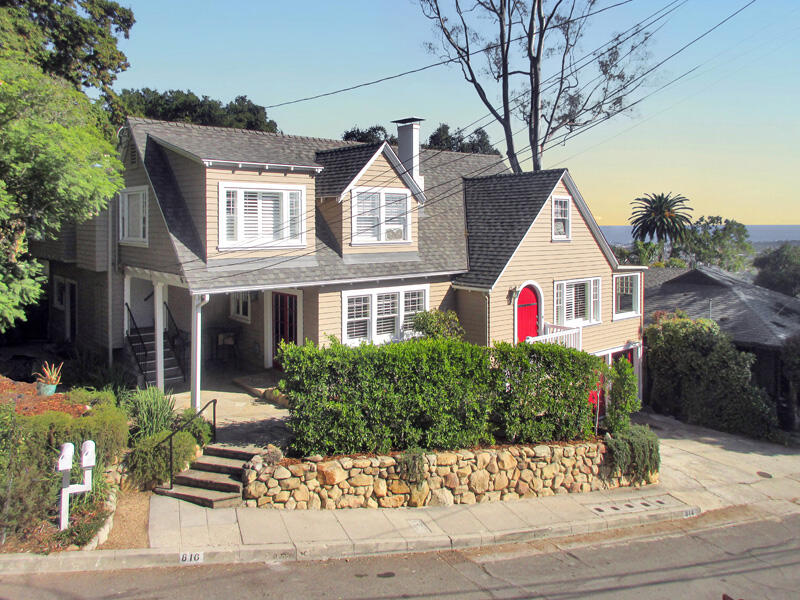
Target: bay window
(577, 302)
(261, 215)
(380, 216)
(381, 315)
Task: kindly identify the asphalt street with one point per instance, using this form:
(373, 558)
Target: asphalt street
(757, 559)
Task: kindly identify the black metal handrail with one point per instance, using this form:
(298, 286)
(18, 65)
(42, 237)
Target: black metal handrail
(141, 341)
(173, 337)
(182, 427)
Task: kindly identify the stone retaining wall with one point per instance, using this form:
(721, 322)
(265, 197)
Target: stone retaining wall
(440, 479)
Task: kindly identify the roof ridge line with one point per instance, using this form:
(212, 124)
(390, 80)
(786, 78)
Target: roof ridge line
(523, 174)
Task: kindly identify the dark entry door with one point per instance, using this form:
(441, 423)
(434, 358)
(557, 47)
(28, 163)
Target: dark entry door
(527, 314)
(284, 321)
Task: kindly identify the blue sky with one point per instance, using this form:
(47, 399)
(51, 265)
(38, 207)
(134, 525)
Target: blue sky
(725, 137)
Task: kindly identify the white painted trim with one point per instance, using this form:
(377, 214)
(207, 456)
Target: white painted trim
(299, 284)
(637, 309)
(413, 187)
(126, 299)
(590, 300)
(123, 204)
(158, 326)
(224, 186)
(198, 302)
(540, 311)
(214, 162)
(638, 355)
(553, 236)
(354, 241)
(373, 316)
(269, 349)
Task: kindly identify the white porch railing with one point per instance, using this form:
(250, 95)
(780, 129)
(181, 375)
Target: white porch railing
(570, 337)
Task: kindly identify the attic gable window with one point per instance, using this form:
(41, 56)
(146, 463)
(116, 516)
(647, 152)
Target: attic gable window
(380, 216)
(562, 226)
(133, 218)
(253, 215)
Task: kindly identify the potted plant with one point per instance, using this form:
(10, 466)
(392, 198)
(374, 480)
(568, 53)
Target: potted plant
(48, 379)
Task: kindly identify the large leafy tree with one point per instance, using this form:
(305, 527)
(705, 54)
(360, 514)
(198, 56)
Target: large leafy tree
(779, 269)
(369, 135)
(718, 242)
(663, 217)
(56, 166)
(177, 105)
(477, 142)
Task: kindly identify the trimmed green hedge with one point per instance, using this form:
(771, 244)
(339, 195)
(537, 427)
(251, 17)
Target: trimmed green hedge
(148, 461)
(435, 394)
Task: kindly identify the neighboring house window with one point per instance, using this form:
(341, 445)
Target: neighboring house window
(59, 292)
(133, 222)
(561, 218)
(381, 216)
(240, 306)
(381, 315)
(577, 302)
(261, 215)
(626, 295)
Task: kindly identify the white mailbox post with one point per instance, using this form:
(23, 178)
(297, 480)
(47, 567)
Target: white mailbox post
(65, 460)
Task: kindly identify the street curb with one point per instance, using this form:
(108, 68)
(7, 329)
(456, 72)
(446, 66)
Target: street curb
(108, 560)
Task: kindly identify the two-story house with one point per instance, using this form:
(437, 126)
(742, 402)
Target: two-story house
(242, 239)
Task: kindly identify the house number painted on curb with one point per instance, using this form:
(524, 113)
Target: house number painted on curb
(190, 558)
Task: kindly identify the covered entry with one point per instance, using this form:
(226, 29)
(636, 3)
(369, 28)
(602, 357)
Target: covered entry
(528, 302)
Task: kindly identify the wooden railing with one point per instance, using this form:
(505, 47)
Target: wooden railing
(570, 337)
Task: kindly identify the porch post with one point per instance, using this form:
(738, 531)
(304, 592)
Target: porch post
(158, 312)
(197, 321)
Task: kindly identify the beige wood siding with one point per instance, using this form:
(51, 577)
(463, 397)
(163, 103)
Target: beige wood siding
(330, 314)
(379, 175)
(471, 309)
(442, 296)
(159, 255)
(310, 315)
(212, 181)
(543, 261)
(191, 178)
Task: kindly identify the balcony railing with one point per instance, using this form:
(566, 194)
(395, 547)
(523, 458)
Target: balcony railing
(570, 337)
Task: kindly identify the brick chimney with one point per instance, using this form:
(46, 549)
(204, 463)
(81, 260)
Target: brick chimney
(408, 147)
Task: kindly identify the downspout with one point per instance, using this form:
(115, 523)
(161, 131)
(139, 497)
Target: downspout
(488, 322)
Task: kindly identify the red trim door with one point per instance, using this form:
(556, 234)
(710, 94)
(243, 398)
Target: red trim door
(527, 313)
(284, 321)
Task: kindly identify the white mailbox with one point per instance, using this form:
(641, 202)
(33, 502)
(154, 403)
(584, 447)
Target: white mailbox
(66, 456)
(87, 454)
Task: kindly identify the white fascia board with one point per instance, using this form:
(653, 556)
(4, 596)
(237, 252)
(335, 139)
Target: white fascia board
(632, 268)
(303, 284)
(406, 178)
(240, 164)
(587, 215)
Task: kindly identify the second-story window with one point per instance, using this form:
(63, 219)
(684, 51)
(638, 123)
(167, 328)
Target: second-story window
(261, 215)
(133, 222)
(561, 218)
(380, 216)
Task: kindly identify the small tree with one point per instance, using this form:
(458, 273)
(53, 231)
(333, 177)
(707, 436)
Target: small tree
(438, 324)
(779, 269)
(716, 241)
(623, 397)
(369, 135)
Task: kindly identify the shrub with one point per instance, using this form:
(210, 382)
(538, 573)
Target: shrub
(623, 397)
(438, 324)
(634, 453)
(430, 393)
(151, 410)
(89, 396)
(199, 427)
(698, 375)
(542, 392)
(148, 461)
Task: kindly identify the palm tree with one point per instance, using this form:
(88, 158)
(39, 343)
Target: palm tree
(661, 216)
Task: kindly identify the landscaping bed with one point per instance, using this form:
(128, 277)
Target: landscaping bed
(27, 400)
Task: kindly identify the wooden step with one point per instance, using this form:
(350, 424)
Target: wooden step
(220, 482)
(242, 453)
(203, 497)
(219, 464)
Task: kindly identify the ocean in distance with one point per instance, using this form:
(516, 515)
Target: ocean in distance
(620, 235)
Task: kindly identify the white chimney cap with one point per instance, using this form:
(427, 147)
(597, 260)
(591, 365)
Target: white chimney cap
(408, 120)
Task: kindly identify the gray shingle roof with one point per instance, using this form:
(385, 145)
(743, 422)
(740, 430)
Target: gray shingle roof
(500, 210)
(341, 167)
(750, 314)
(441, 222)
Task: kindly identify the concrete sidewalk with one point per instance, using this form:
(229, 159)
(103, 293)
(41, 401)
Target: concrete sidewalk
(702, 470)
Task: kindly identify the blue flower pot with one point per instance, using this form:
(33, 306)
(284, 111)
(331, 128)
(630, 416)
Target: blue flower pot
(46, 389)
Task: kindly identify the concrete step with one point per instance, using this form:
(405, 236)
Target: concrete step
(203, 497)
(242, 453)
(219, 464)
(220, 482)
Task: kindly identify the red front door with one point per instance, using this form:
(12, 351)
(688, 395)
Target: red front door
(284, 321)
(527, 314)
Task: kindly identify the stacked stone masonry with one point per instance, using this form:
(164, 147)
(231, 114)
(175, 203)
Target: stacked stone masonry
(446, 478)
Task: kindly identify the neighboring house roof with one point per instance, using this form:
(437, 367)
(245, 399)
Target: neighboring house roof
(655, 276)
(500, 212)
(750, 314)
(440, 229)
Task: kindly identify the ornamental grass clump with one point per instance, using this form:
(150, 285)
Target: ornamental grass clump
(152, 411)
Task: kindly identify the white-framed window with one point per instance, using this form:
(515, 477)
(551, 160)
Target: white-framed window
(133, 221)
(577, 302)
(240, 306)
(59, 292)
(381, 215)
(381, 315)
(261, 215)
(626, 296)
(562, 222)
